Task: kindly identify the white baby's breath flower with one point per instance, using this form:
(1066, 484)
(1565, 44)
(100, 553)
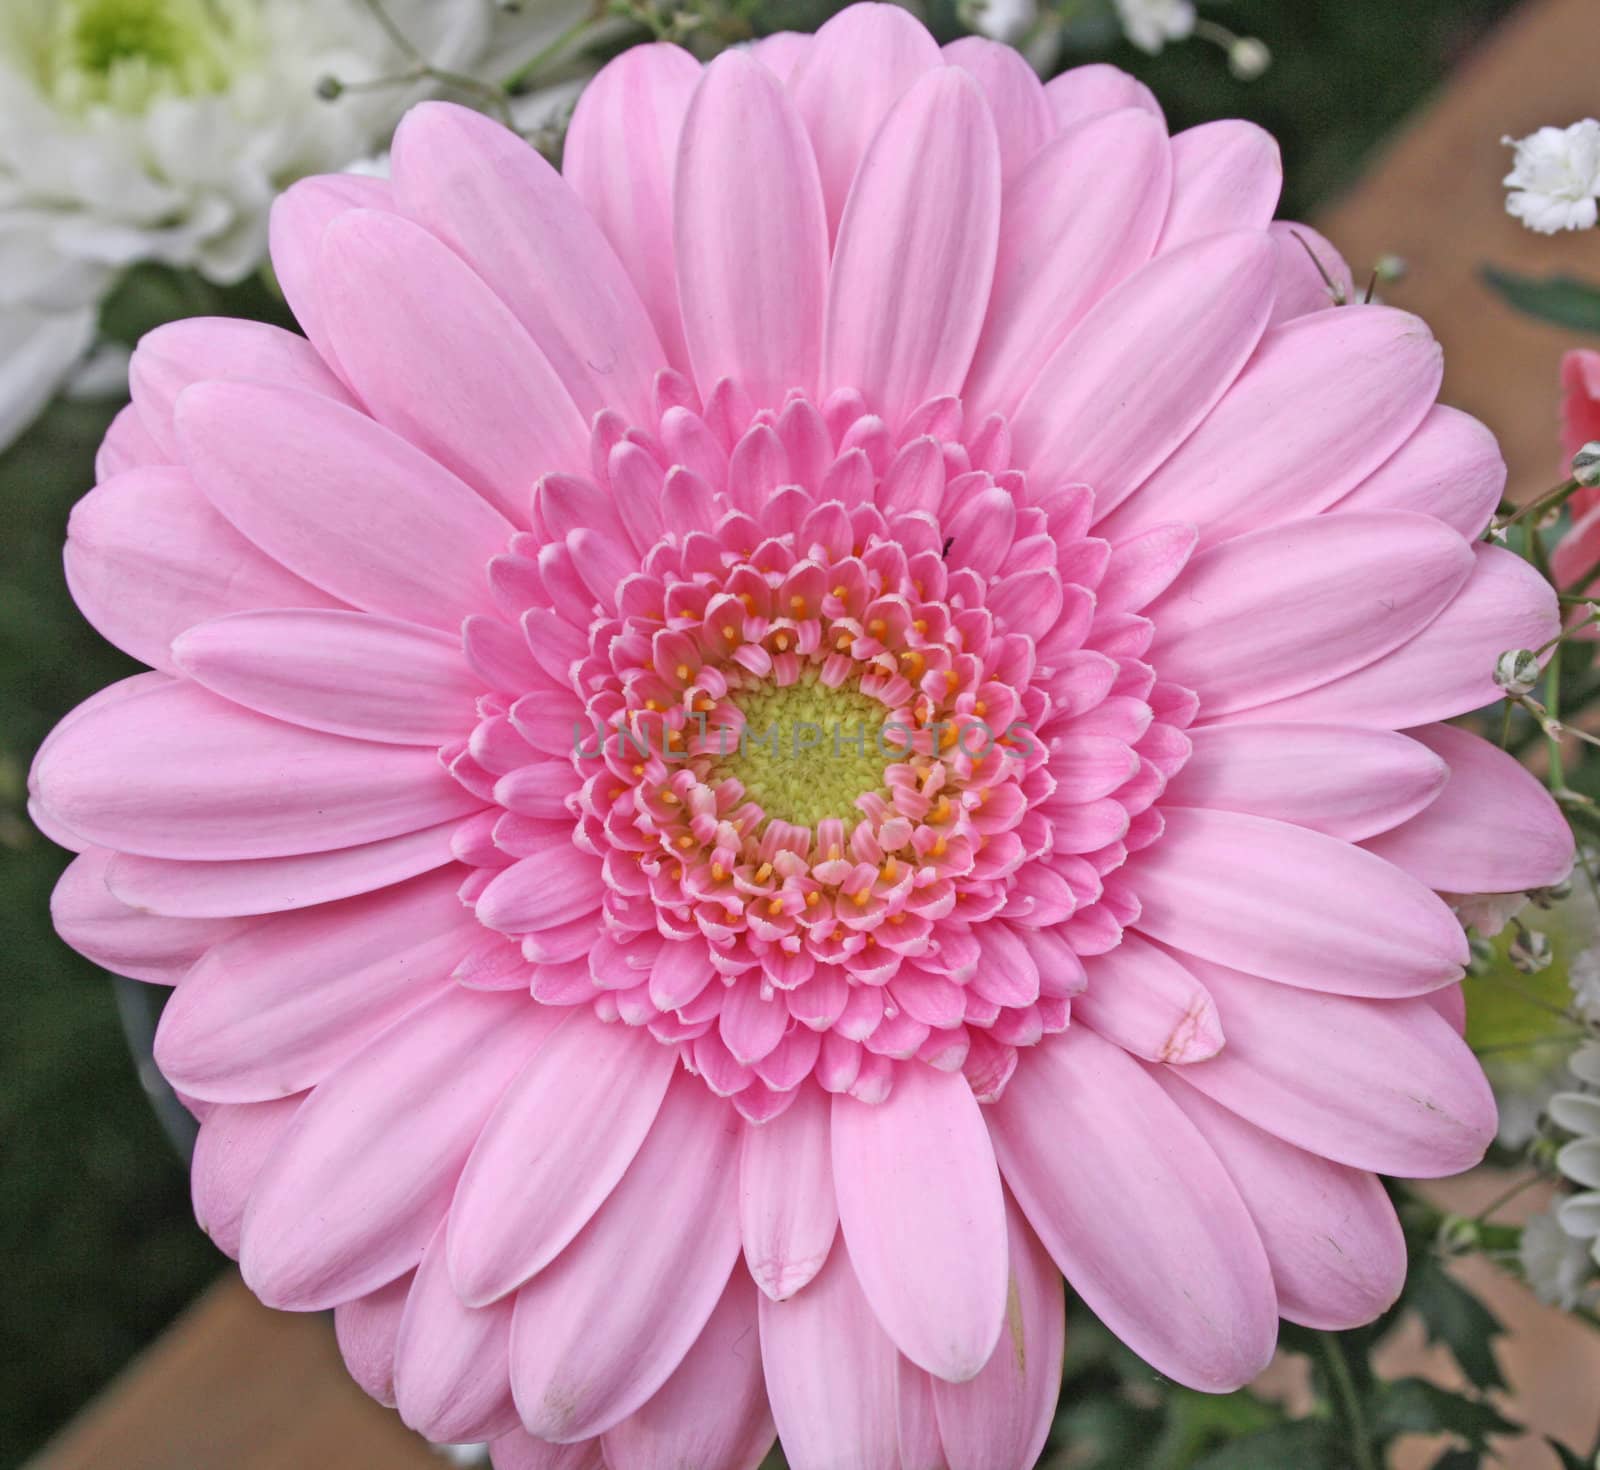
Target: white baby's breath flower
(1557, 1266)
(1002, 20)
(1555, 178)
(1150, 24)
(161, 130)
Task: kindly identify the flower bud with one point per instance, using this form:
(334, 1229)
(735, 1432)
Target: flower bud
(1517, 671)
(1586, 464)
(1530, 952)
(330, 89)
(1248, 58)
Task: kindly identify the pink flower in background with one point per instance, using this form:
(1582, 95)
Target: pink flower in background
(842, 386)
(1577, 554)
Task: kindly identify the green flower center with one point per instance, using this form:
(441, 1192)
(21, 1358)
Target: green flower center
(808, 751)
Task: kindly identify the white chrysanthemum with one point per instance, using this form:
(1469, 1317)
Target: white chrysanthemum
(1579, 1114)
(1555, 178)
(1150, 24)
(1557, 1267)
(161, 130)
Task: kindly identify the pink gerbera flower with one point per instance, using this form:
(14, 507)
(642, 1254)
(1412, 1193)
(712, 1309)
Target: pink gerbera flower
(981, 456)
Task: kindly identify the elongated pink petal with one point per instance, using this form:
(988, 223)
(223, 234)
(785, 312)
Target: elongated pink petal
(1142, 999)
(1307, 264)
(524, 230)
(902, 245)
(1337, 1252)
(1294, 905)
(535, 1178)
(599, 1330)
(787, 1210)
(530, 896)
(521, 1451)
(175, 772)
(863, 60)
(279, 1007)
(1343, 780)
(920, 1203)
(310, 482)
(366, 1328)
(1225, 176)
(348, 673)
(1022, 118)
(1488, 791)
(148, 556)
(364, 1174)
(299, 216)
(831, 1372)
(1137, 1211)
(207, 890)
(1266, 454)
(230, 1151)
(1448, 668)
(1003, 1415)
(713, 1409)
(452, 1362)
(125, 940)
(1081, 217)
(1451, 468)
(1380, 1085)
(128, 445)
(1361, 586)
(620, 156)
(1089, 417)
(437, 357)
(750, 235)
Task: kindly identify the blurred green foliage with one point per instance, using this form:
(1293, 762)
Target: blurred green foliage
(95, 1228)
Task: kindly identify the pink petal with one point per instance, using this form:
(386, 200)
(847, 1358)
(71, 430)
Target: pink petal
(535, 1178)
(1225, 176)
(524, 229)
(279, 1007)
(438, 358)
(603, 1327)
(1380, 1085)
(1137, 1211)
(520, 1451)
(1142, 999)
(452, 1362)
(204, 890)
(1293, 905)
(1022, 117)
(125, 940)
(148, 556)
(787, 1213)
(863, 60)
(1306, 263)
(1337, 1252)
(126, 446)
(902, 245)
(1279, 445)
(831, 1373)
(713, 1409)
(342, 501)
(365, 1172)
(1451, 468)
(175, 772)
(1343, 780)
(299, 216)
(1083, 92)
(920, 1204)
(1360, 587)
(750, 235)
(1003, 1416)
(1448, 668)
(1088, 417)
(367, 1328)
(1489, 792)
(233, 1146)
(1144, 566)
(782, 51)
(1078, 220)
(552, 887)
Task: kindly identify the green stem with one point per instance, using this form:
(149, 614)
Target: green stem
(1347, 1402)
(1548, 501)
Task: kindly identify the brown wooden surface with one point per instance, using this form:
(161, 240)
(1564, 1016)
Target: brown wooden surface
(233, 1386)
(1435, 199)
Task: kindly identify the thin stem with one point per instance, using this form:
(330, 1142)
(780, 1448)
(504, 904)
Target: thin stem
(547, 54)
(1348, 1401)
(1548, 501)
(1501, 1200)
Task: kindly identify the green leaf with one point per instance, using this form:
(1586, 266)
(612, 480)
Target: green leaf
(1306, 1444)
(1415, 1406)
(1560, 299)
(1456, 1318)
(1569, 1460)
(1458, 1460)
